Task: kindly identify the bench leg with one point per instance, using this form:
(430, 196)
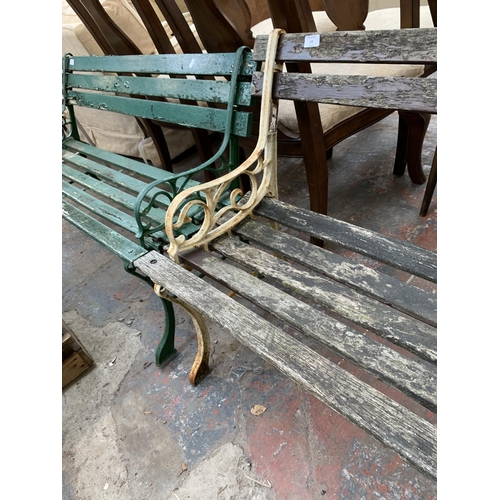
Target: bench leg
(165, 350)
(200, 366)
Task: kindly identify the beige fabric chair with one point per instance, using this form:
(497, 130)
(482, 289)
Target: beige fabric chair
(112, 131)
(332, 114)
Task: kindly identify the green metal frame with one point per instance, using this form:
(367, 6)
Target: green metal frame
(158, 193)
(177, 183)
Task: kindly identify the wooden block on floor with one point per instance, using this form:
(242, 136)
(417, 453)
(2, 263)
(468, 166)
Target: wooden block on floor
(75, 359)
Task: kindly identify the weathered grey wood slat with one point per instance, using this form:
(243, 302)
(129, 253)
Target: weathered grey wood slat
(399, 254)
(217, 91)
(170, 64)
(401, 93)
(412, 437)
(410, 46)
(402, 296)
(416, 379)
(393, 325)
(113, 241)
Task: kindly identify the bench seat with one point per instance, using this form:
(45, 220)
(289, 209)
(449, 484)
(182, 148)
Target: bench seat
(370, 318)
(299, 306)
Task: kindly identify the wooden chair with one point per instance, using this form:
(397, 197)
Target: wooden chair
(113, 41)
(223, 24)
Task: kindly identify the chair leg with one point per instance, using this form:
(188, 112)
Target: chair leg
(204, 147)
(431, 186)
(417, 124)
(315, 159)
(402, 145)
(156, 133)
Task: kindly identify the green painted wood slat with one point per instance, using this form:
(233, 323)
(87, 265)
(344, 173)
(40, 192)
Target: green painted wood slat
(119, 245)
(104, 189)
(216, 91)
(98, 207)
(125, 200)
(180, 114)
(216, 64)
(116, 160)
(115, 176)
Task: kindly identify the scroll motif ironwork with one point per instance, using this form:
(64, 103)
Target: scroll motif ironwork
(215, 199)
(168, 188)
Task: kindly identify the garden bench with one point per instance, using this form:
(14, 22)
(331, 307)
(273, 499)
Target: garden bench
(366, 314)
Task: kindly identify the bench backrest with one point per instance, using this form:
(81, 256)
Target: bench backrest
(141, 85)
(412, 46)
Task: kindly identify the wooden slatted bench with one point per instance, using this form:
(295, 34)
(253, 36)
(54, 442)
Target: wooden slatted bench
(257, 247)
(401, 49)
(121, 202)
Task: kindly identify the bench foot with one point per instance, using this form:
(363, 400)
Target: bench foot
(166, 351)
(200, 366)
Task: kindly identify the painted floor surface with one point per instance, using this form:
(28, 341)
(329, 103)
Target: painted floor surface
(135, 431)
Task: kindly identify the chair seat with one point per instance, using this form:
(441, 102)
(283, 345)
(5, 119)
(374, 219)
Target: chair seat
(333, 114)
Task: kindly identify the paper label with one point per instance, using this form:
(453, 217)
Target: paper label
(311, 41)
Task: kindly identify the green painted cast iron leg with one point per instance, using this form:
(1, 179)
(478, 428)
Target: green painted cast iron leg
(165, 350)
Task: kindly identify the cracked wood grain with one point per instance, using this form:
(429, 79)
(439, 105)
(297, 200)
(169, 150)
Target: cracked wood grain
(416, 46)
(416, 379)
(402, 296)
(397, 327)
(390, 92)
(398, 254)
(412, 437)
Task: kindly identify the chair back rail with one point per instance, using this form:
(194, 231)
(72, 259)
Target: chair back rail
(176, 22)
(110, 38)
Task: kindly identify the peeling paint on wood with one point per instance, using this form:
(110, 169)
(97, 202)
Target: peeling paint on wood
(415, 46)
(399, 93)
(401, 255)
(410, 436)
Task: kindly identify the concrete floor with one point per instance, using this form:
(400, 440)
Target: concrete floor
(135, 431)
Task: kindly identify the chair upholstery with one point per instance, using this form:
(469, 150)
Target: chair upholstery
(111, 131)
